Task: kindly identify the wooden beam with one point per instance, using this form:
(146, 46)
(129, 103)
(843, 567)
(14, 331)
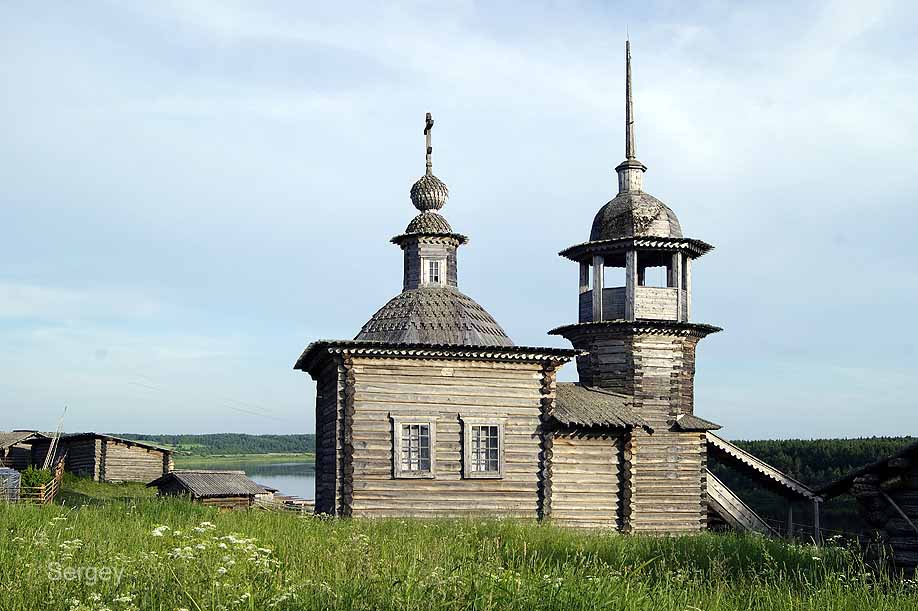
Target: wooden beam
(598, 269)
(631, 279)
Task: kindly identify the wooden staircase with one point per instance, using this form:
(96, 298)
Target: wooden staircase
(732, 510)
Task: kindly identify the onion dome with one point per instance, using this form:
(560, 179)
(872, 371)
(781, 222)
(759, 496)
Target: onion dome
(429, 193)
(428, 222)
(434, 315)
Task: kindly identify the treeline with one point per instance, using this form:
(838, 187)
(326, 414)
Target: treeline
(229, 443)
(814, 462)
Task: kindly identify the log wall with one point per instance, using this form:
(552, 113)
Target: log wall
(585, 480)
(664, 476)
(445, 390)
(888, 503)
(329, 449)
(121, 462)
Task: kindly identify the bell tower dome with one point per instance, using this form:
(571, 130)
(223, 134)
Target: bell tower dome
(637, 338)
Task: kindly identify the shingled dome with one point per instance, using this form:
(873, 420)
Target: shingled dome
(429, 193)
(428, 222)
(434, 315)
(635, 214)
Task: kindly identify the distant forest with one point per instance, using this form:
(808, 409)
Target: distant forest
(229, 443)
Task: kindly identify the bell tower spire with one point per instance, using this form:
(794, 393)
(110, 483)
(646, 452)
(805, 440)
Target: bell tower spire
(629, 105)
(630, 171)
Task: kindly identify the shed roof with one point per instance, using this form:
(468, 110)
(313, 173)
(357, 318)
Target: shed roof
(691, 422)
(730, 454)
(579, 405)
(207, 484)
(11, 438)
(843, 484)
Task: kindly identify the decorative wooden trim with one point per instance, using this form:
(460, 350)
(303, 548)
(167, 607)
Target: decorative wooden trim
(645, 327)
(691, 247)
(317, 350)
(397, 423)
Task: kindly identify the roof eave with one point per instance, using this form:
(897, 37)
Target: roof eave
(695, 248)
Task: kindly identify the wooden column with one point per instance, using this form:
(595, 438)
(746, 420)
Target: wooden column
(598, 269)
(676, 281)
(688, 288)
(631, 279)
(584, 277)
(817, 535)
(790, 520)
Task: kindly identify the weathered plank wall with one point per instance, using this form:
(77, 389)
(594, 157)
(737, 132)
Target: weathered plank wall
(228, 502)
(668, 467)
(83, 456)
(585, 487)
(17, 456)
(446, 390)
(329, 387)
(882, 499)
(130, 463)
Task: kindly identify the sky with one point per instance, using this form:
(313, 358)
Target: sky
(191, 192)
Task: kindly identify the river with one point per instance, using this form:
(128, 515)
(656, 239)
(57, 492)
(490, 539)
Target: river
(290, 478)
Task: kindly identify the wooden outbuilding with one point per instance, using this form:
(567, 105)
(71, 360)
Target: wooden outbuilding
(15, 448)
(107, 458)
(886, 492)
(225, 489)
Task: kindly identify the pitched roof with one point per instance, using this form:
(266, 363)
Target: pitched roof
(204, 484)
(691, 422)
(579, 405)
(843, 484)
(11, 438)
(726, 452)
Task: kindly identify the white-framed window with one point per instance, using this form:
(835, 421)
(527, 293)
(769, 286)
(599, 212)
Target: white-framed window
(414, 447)
(483, 448)
(434, 271)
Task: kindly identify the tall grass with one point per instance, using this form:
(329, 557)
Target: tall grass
(172, 554)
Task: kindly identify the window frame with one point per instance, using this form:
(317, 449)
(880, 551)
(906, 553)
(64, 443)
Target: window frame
(425, 271)
(467, 425)
(398, 472)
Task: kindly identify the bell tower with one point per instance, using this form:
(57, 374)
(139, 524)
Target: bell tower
(635, 330)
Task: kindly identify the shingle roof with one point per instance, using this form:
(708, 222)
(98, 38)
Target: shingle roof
(11, 438)
(726, 452)
(691, 422)
(205, 484)
(633, 214)
(429, 222)
(843, 484)
(434, 315)
(578, 405)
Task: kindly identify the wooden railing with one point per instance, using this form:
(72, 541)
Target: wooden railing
(44, 494)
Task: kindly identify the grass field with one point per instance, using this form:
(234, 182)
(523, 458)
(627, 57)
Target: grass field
(121, 549)
(233, 460)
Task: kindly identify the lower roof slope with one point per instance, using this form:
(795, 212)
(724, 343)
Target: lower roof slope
(579, 405)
